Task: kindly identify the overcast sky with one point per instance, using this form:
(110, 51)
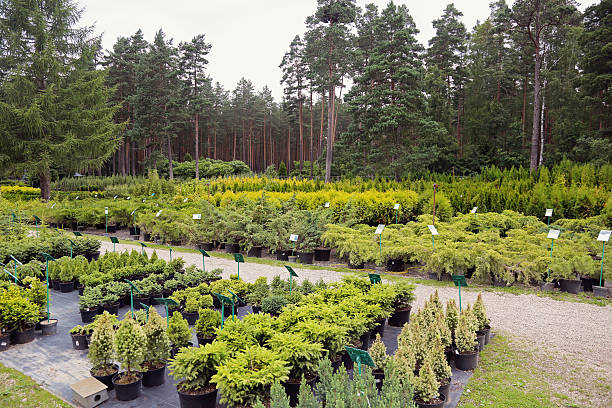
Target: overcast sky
(248, 37)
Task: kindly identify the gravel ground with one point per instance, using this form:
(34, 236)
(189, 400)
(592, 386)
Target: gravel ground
(578, 334)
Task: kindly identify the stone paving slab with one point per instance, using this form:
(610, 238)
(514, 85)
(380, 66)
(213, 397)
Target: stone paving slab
(53, 363)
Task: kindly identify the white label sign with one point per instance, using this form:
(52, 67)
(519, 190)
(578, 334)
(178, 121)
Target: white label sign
(293, 237)
(327, 204)
(604, 235)
(553, 234)
(432, 229)
(77, 197)
(115, 197)
(473, 210)
(379, 229)
(548, 212)
(106, 210)
(158, 213)
(396, 207)
(96, 196)
(128, 198)
(53, 206)
(185, 200)
(144, 199)
(197, 216)
(132, 213)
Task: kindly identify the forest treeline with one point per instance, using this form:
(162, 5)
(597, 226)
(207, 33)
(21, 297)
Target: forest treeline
(527, 86)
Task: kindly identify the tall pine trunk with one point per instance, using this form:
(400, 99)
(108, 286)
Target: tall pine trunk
(311, 130)
(170, 169)
(330, 128)
(301, 120)
(535, 132)
(45, 184)
(197, 146)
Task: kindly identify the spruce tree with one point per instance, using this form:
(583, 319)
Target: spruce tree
(55, 113)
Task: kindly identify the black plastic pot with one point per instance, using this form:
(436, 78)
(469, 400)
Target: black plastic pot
(80, 288)
(445, 389)
(293, 390)
(379, 377)
(113, 309)
(571, 285)
(232, 248)
(346, 361)
(322, 254)
(449, 352)
(365, 341)
(55, 284)
(306, 257)
(5, 341)
(48, 327)
(107, 379)
(127, 392)
(202, 341)
(400, 317)
(255, 252)
(395, 265)
(357, 266)
(292, 258)
(87, 316)
(153, 378)
(336, 364)
(191, 318)
(207, 400)
(146, 237)
(138, 300)
(378, 329)
(487, 332)
(79, 341)
(134, 231)
(480, 336)
(207, 246)
(439, 404)
(588, 283)
(22, 337)
(282, 255)
(256, 309)
(467, 361)
(174, 350)
(601, 291)
(66, 287)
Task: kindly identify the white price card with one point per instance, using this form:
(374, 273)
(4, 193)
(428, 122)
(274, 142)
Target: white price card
(604, 235)
(96, 196)
(473, 210)
(327, 204)
(144, 199)
(53, 206)
(396, 207)
(185, 200)
(115, 197)
(128, 198)
(197, 216)
(553, 234)
(548, 212)
(132, 213)
(293, 237)
(106, 210)
(77, 197)
(432, 229)
(379, 229)
(158, 213)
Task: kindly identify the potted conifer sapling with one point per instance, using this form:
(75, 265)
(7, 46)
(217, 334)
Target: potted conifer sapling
(129, 345)
(101, 350)
(157, 350)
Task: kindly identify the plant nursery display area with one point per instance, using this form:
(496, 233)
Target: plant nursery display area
(267, 338)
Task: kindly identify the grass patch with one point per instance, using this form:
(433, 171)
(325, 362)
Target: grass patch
(508, 377)
(19, 390)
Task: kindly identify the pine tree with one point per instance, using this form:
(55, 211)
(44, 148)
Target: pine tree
(55, 113)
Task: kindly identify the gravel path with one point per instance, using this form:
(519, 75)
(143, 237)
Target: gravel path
(573, 332)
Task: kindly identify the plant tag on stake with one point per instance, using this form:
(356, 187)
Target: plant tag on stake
(115, 197)
(106, 210)
(326, 204)
(158, 213)
(128, 198)
(197, 216)
(604, 235)
(77, 197)
(433, 230)
(132, 213)
(185, 200)
(293, 237)
(473, 210)
(548, 212)
(53, 205)
(553, 234)
(379, 229)
(396, 207)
